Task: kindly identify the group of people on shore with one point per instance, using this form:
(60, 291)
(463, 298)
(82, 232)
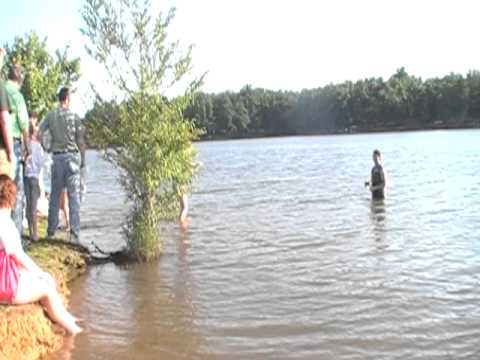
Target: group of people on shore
(21, 161)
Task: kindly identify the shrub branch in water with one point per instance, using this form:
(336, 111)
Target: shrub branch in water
(142, 132)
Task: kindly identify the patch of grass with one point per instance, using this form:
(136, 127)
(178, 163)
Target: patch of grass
(42, 232)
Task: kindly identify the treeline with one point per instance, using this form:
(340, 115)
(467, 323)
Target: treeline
(401, 102)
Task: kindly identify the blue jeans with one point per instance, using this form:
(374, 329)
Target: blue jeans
(32, 194)
(65, 174)
(17, 213)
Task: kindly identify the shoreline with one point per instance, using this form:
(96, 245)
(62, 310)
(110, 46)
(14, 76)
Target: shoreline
(26, 333)
(336, 132)
(214, 138)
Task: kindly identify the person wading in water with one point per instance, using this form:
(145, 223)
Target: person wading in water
(377, 179)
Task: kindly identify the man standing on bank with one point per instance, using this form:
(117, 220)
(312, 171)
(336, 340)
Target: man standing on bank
(20, 122)
(7, 157)
(68, 154)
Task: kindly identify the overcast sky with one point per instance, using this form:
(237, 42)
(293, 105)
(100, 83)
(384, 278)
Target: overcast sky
(287, 44)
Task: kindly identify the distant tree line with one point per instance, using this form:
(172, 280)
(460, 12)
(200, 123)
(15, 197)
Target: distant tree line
(400, 103)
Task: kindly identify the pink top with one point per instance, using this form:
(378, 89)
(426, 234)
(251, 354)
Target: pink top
(9, 244)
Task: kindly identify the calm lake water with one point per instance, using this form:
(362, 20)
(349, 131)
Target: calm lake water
(286, 257)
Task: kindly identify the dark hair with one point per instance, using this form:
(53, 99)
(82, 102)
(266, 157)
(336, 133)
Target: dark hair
(63, 94)
(15, 73)
(376, 152)
(33, 115)
(8, 192)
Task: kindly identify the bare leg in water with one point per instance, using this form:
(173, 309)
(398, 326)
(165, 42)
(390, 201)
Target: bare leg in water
(183, 212)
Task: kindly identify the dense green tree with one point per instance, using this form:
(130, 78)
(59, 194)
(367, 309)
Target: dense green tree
(250, 100)
(201, 112)
(223, 114)
(102, 116)
(240, 119)
(473, 85)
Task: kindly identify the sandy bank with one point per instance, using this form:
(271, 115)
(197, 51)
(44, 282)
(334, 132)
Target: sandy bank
(25, 331)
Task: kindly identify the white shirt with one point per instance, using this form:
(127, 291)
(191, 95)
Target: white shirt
(35, 163)
(9, 236)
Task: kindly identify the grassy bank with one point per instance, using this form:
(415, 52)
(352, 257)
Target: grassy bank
(25, 331)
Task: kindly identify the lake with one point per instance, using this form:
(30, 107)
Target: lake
(286, 256)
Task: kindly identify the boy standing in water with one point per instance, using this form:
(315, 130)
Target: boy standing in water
(377, 179)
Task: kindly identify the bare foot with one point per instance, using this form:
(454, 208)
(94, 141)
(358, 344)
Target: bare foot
(74, 330)
(75, 319)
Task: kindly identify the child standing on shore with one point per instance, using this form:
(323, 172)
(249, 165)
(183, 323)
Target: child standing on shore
(31, 182)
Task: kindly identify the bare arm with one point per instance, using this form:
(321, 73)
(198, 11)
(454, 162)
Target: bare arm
(80, 138)
(24, 126)
(6, 126)
(42, 129)
(26, 261)
(82, 155)
(26, 141)
(10, 239)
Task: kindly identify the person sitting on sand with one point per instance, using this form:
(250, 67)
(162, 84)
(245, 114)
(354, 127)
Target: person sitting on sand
(22, 279)
(377, 179)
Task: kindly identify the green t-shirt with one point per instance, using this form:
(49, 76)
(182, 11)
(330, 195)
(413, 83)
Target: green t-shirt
(4, 106)
(18, 110)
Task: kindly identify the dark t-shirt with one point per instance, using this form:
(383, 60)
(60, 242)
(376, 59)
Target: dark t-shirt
(378, 177)
(4, 106)
(66, 130)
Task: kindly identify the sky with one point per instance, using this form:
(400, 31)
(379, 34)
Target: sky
(285, 44)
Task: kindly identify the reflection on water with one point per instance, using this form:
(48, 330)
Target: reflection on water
(378, 213)
(116, 326)
(286, 256)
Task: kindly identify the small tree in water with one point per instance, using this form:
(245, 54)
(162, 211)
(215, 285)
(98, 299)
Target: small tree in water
(144, 134)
